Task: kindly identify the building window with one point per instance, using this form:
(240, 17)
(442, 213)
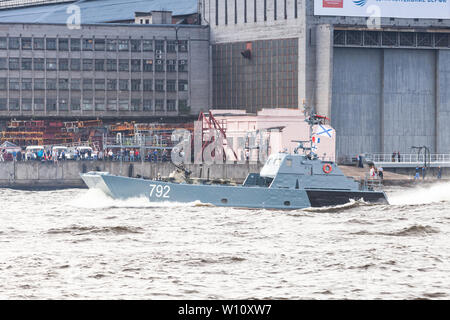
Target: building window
(3, 43)
(99, 64)
(26, 44)
(265, 10)
(182, 85)
(51, 64)
(27, 84)
(63, 64)
(159, 85)
(183, 105)
(111, 45)
(226, 11)
(171, 105)
(3, 64)
(51, 84)
(171, 65)
(235, 12)
(63, 44)
(112, 104)
(171, 85)
(159, 105)
(159, 65)
(135, 85)
(87, 84)
(136, 65)
(63, 84)
(135, 104)
(14, 64)
(99, 44)
(88, 44)
(274, 9)
(75, 84)
(124, 65)
(135, 45)
(245, 11)
(3, 84)
(148, 85)
(39, 64)
(26, 104)
(147, 45)
(14, 84)
(75, 104)
(3, 104)
(87, 104)
(123, 84)
(112, 84)
(217, 12)
(295, 9)
(14, 104)
(38, 43)
(27, 64)
(100, 84)
(75, 44)
(99, 104)
(285, 9)
(75, 64)
(14, 43)
(51, 104)
(182, 46)
(50, 44)
(63, 104)
(182, 66)
(147, 105)
(87, 65)
(39, 84)
(111, 65)
(38, 104)
(159, 46)
(147, 65)
(171, 46)
(124, 45)
(124, 105)
(254, 11)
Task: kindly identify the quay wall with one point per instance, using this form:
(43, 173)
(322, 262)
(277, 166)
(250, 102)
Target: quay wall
(33, 174)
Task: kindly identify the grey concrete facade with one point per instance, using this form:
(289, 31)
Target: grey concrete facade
(104, 70)
(385, 89)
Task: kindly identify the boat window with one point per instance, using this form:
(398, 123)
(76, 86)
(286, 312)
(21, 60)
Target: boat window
(277, 162)
(289, 162)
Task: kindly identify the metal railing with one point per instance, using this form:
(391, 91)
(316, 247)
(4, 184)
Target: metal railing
(408, 158)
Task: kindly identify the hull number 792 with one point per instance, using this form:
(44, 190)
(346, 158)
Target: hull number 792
(159, 191)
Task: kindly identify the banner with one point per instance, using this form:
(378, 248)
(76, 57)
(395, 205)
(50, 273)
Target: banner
(424, 9)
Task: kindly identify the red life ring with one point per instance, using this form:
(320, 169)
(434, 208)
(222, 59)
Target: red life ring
(327, 168)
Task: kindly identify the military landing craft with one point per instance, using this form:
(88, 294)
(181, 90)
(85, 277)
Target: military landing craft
(287, 181)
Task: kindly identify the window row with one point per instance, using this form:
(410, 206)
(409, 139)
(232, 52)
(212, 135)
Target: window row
(66, 44)
(95, 84)
(89, 104)
(134, 65)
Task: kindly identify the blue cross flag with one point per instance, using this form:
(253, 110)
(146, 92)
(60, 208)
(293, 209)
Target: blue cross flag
(324, 131)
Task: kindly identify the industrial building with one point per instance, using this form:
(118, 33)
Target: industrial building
(383, 82)
(142, 65)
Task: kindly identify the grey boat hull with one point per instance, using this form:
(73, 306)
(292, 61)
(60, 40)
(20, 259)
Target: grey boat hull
(225, 196)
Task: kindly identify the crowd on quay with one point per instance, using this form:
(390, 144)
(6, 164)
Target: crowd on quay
(83, 154)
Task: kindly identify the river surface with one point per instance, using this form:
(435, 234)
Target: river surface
(80, 244)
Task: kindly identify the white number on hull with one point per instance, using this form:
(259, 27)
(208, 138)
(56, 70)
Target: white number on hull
(159, 191)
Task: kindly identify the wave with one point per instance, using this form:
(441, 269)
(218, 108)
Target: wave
(414, 230)
(97, 199)
(338, 208)
(437, 192)
(82, 230)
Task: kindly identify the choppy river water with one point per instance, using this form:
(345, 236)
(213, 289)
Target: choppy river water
(80, 244)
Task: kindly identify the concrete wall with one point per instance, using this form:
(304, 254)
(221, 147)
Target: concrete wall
(67, 174)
